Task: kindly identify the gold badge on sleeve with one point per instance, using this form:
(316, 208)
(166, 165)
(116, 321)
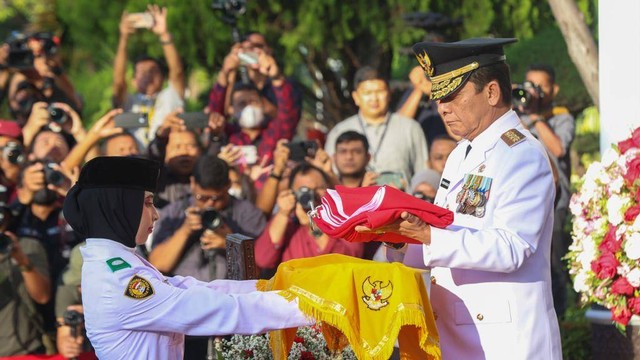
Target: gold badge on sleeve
(139, 288)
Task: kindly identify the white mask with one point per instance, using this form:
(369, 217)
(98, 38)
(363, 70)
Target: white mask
(251, 117)
(235, 192)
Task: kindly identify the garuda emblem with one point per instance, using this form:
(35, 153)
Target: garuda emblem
(375, 294)
(425, 62)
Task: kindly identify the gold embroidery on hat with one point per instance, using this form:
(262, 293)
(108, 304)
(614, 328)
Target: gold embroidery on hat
(457, 72)
(425, 62)
(449, 86)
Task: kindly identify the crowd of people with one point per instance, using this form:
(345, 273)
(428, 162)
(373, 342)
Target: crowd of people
(244, 171)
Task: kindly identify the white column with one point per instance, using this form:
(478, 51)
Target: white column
(619, 51)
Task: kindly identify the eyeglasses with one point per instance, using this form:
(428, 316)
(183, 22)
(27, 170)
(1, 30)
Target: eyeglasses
(205, 198)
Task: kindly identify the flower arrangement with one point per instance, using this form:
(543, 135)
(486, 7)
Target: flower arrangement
(604, 258)
(309, 344)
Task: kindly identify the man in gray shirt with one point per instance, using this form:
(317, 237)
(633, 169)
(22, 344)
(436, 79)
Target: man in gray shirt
(396, 143)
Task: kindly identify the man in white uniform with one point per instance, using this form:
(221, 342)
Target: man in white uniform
(131, 310)
(490, 284)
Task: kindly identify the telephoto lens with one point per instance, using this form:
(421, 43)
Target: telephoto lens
(57, 114)
(211, 219)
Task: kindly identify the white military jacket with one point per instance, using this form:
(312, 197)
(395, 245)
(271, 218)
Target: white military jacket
(491, 283)
(132, 311)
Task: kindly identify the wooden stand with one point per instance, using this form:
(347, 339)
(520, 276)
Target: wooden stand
(241, 262)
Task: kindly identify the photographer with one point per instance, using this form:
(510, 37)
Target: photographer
(264, 125)
(180, 236)
(24, 282)
(289, 234)
(554, 126)
(148, 76)
(70, 338)
(12, 156)
(35, 74)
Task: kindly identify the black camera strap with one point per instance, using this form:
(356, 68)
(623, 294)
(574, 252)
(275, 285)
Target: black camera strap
(374, 152)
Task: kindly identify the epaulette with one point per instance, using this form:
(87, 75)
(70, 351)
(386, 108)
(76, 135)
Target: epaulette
(512, 137)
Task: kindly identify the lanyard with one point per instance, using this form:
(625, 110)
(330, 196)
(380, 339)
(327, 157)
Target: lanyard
(374, 153)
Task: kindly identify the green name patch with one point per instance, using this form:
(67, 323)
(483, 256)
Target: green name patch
(117, 263)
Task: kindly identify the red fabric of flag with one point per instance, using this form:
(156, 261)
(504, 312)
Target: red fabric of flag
(373, 206)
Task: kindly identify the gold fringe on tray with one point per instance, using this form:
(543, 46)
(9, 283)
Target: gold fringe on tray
(411, 322)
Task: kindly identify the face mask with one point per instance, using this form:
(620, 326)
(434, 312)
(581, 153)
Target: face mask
(251, 117)
(235, 192)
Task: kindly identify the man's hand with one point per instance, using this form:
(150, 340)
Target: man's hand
(193, 220)
(369, 178)
(215, 239)
(171, 123)
(38, 118)
(32, 181)
(407, 225)
(16, 250)
(216, 123)
(126, 25)
(159, 19)
(281, 156)
(419, 80)
(268, 66)
(260, 169)
(74, 125)
(286, 202)
(68, 346)
(322, 160)
(230, 154)
(106, 126)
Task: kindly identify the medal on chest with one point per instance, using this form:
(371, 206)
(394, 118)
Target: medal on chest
(473, 196)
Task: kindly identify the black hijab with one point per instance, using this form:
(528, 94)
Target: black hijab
(107, 200)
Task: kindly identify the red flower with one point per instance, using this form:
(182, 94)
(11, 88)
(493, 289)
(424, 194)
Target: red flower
(247, 354)
(298, 339)
(633, 171)
(605, 266)
(621, 286)
(621, 315)
(631, 213)
(610, 244)
(307, 355)
(633, 141)
(634, 305)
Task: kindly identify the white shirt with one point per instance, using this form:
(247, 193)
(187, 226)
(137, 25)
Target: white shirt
(153, 326)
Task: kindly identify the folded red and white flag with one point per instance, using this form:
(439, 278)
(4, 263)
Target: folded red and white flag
(373, 206)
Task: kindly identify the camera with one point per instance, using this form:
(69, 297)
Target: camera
(232, 8)
(521, 96)
(211, 219)
(6, 244)
(13, 153)
(302, 149)
(52, 176)
(57, 114)
(73, 319)
(20, 52)
(306, 197)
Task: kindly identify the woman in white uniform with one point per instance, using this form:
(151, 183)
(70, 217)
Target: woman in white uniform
(131, 310)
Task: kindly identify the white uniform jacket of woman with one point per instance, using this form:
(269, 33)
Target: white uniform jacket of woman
(491, 284)
(132, 311)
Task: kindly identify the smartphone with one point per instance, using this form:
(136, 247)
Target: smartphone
(142, 20)
(302, 149)
(248, 58)
(131, 120)
(194, 120)
(249, 154)
(392, 178)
